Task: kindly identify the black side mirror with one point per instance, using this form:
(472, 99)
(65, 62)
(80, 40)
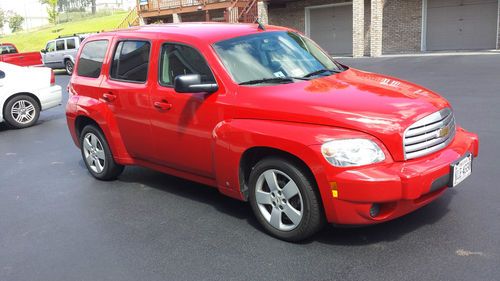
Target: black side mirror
(191, 83)
(2, 74)
(43, 51)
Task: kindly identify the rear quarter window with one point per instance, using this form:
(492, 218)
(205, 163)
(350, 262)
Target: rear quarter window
(91, 58)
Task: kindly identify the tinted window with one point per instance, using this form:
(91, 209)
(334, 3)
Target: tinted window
(91, 58)
(51, 46)
(180, 59)
(131, 61)
(7, 49)
(60, 45)
(70, 44)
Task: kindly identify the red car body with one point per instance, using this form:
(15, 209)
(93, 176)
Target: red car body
(209, 138)
(10, 54)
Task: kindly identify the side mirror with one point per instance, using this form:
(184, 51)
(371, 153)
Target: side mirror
(191, 83)
(43, 51)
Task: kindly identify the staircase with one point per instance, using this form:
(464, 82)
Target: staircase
(132, 19)
(249, 13)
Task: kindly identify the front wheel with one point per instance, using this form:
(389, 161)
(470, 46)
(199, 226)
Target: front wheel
(69, 67)
(285, 200)
(97, 155)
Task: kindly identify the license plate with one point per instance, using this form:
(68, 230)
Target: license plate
(460, 170)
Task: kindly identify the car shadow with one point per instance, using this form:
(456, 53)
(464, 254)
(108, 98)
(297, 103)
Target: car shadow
(332, 235)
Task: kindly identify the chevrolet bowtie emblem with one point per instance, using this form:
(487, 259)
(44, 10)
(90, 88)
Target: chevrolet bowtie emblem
(443, 132)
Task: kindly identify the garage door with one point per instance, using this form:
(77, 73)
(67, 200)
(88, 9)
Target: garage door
(331, 28)
(461, 24)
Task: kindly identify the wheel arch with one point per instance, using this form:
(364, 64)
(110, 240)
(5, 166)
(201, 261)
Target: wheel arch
(253, 155)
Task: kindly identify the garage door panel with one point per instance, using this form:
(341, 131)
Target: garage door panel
(331, 28)
(461, 24)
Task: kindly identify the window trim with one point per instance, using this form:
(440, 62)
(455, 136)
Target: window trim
(112, 57)
(163, 43)
(103, 60)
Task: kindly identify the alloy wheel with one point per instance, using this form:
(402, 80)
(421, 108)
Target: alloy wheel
(23, 112)
(279, 200)
(94, 153)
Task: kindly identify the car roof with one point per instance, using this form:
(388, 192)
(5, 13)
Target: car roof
(208, 32)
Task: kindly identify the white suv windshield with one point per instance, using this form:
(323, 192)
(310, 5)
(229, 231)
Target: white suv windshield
(273, 55)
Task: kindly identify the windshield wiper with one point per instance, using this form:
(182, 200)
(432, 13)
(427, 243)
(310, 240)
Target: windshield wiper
(268, 80)
(317, 72)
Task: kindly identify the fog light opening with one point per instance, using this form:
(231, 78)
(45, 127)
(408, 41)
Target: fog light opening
(374, 210)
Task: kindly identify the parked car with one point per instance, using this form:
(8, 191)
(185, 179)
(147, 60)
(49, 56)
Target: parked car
(265, 116)
(24, 92)
(10, 54)
(61, 52)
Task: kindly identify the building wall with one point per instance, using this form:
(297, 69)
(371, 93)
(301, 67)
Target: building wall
(402, 26)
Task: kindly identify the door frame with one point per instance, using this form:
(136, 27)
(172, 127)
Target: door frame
(307, 16)
(423, 38)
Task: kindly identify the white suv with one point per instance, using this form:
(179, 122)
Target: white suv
(61, 52)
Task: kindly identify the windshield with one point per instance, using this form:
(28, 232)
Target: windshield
(272, 55)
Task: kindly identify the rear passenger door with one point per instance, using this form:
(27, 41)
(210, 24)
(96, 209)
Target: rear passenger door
(59, 53)
(126, 92)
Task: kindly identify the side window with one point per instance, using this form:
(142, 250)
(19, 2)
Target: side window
(131, 61)
(51, 46)
(91, 58)
(70, 44)
(60, 45)
(179, 59)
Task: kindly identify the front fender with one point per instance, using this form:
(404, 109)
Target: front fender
(234, 137)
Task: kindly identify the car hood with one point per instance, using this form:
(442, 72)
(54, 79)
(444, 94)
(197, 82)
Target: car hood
(379, 105)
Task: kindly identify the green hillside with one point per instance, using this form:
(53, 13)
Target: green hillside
(36, 40)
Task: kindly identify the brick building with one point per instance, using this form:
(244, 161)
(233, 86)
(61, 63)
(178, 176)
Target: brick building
(356, 27)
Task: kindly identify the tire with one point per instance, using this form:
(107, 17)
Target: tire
(291, 211)
(97, 156)
(69, 66)
(22, 111)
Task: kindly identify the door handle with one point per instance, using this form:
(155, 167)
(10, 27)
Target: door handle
(109, 97)
(162, 105)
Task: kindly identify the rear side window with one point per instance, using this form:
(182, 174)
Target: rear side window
(6, 49)
(60, 45)
(131, 61)
(177, 59)
(70, 44)
(91, 58)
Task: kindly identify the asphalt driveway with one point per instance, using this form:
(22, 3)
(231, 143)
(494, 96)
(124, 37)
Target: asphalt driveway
(58, 223)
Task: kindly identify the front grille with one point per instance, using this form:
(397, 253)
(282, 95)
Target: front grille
(429, 134)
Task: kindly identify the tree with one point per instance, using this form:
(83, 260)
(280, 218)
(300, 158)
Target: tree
(51, 10)
(94, 7)
(16, 22)
(2, 20)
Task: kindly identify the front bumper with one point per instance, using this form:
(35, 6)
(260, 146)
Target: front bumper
(397, 187)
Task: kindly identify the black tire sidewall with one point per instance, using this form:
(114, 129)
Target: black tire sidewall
(72, 67)
(111, 168)
(8, 110)
(312, 219)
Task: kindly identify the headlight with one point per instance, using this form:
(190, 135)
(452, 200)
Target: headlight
(352, 152)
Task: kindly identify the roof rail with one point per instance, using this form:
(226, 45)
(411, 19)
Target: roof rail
(75, 34)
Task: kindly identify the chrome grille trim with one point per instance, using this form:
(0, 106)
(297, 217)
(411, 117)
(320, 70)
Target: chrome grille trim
(424, 136)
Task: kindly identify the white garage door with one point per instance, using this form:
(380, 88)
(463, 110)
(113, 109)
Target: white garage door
(461, 24)
(331, 28)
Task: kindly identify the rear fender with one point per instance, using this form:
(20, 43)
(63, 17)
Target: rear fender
(100, 113)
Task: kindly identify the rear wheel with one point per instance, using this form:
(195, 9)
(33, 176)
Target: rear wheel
(69, 67)
(97, 155)
(21, 112)
(284, 199)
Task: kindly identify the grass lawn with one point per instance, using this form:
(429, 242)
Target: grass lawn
(36, 40)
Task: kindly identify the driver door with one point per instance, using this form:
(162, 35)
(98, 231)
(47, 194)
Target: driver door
(182, 123)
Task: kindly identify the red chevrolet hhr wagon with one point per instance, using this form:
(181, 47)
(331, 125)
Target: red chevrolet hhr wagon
(264, 115)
